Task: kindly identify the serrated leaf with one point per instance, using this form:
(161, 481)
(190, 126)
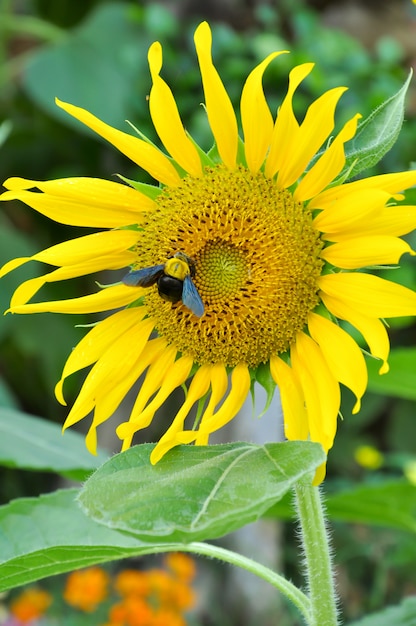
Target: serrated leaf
(50, 535)
(400, 381)
(403, 614)
(195, 493)
(29, 442)
(376, 134)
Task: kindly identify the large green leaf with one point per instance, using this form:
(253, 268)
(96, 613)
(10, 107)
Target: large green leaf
(404, 614)
(400, 381)
(49, 535)
(96, 66)
(195, 493)
(390, 504)
(29, 442)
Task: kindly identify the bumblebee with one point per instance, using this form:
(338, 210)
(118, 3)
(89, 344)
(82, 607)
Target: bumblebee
(173, 279)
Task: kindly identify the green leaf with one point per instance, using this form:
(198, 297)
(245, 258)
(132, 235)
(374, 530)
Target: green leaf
(391, 504)
(400, 381)
(195, 493)
(108, 51)
(50, 535)
(29, 442)
(376, 134)
(403, 614)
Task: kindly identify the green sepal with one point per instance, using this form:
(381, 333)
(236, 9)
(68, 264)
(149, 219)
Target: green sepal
(263, 377)
(151, 191)
(205, 158)
(215, 157)
(213, 154)
(241, 153)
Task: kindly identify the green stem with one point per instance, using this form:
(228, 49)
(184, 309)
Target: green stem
(317, 555)
(294, 594)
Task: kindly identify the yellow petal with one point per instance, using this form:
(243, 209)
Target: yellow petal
(93, 345)
(13, 264)
(219, 384)
(166, 118)
(124, 369)
(83, 248)
(341, 353)
(198, 388)
(391, 220)
(173, 377)
(81, 201)
(314, 130)
(371, 328)
(102, 193)
(158, 356)
(105, 374)
(328, 165)
(292, 398)
(83, 405)
(374, 295)
(286, 127)
(29, 288)
(219, 108)
(80, 250)
(320, 474)
(104, 300)
(256, 119)
(366, 251)
(139, 151)
(393, 183)
(345, 210)
(240, 386)
(160, 363)
(321, 390)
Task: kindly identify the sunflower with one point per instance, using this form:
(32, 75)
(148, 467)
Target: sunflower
(257, 233)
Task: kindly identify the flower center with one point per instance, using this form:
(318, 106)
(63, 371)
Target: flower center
(222, 271)
(257, 262)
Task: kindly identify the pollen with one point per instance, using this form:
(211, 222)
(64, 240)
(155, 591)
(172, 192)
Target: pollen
(257, 263)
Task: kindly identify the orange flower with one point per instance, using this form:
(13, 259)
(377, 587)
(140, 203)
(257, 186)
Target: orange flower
(85, 589)
(132, 611)
(180, 564)
(132, 582)
(30, 604)
(167, 617)
(168, 592)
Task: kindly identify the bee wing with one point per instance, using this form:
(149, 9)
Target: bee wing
(144, 277)
(191, 297)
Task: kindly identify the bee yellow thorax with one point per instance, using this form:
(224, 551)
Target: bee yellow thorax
(176, 268)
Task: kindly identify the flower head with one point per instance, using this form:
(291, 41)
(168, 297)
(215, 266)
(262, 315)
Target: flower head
(244, 256)
(31, 604)
(86, 589)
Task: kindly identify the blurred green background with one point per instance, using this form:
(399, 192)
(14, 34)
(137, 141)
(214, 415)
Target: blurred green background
(94, 54)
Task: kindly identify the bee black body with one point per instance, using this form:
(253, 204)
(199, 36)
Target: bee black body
(170, 288)
(173, 280)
